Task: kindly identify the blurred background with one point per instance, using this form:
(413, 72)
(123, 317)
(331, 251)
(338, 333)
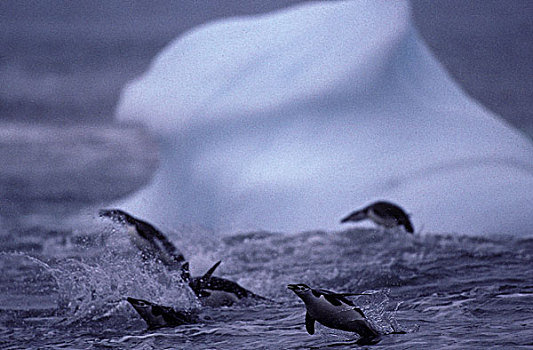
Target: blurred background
(64, 63)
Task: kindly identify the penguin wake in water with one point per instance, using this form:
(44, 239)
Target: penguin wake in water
(157, 316)
(335, 311)
(382, 213)
(210, 290)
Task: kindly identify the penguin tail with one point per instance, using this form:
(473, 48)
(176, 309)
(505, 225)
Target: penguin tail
(408, 226)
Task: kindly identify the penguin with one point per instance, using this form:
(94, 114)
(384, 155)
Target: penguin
(217, 291)
(335, 311)
(384, 214)
(210, 290)
(150, 241)
(158, 316)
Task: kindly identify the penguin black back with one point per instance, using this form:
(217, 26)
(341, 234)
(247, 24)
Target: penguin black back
(152, 243)
(383, 213)
(208, 285)
(157, 316)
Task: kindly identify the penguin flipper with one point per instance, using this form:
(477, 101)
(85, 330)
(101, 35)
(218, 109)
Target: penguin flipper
(309, 324)
(210, 272)
(350, 294)
(336, 301)
(338, 298)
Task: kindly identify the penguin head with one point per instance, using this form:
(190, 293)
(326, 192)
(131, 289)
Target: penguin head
(143, 308)
(154, 315)
(139, 303)
(117, 215)
(300, 289)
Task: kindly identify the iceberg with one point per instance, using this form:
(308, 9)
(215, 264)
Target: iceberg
(290, 120)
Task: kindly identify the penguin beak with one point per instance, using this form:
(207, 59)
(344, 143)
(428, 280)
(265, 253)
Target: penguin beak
(133, 301)
(292, 287)
(355, 216)
(136, 304)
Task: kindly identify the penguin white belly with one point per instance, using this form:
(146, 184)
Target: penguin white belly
(152, 319)
(219, 298)
(332, 316)
(137, 240)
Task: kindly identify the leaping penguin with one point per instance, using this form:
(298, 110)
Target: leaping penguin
(150, 241)
(384, 214)
(334, 310)
(210, 290)
(157, 316)
(217, 291)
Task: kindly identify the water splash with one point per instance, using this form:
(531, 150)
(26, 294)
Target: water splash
(93, 284)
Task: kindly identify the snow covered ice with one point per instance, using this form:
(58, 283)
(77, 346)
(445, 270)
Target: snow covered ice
(289, 121)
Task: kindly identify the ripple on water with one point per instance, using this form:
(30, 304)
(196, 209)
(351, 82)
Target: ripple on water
(442, 290)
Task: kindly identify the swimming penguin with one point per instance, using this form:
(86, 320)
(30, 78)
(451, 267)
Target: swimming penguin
(217, 291)
(334, 310)
(210, 290)
(157, 316)
(150, 241)
(382, 213)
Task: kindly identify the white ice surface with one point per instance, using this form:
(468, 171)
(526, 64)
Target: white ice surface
(288, 121)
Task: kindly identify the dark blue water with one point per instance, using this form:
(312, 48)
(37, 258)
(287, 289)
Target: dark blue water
(65, 276)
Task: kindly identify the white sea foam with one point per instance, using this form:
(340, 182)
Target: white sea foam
(288, 121)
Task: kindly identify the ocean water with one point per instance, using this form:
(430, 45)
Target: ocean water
(65, 277)
(67, 289)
